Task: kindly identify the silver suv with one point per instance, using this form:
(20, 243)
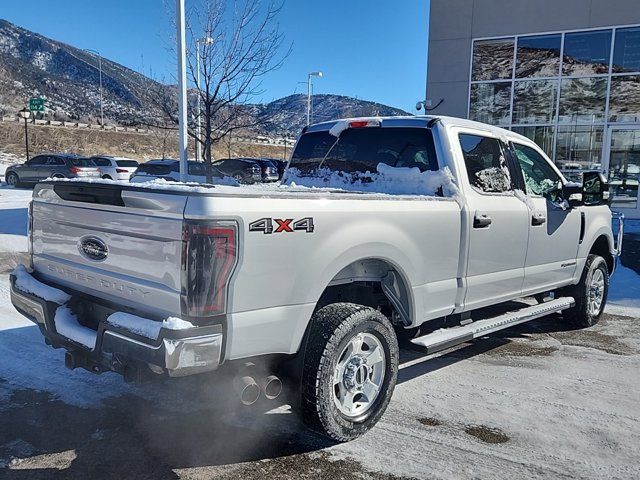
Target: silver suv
(51, 165)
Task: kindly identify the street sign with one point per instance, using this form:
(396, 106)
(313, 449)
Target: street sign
(36, 104)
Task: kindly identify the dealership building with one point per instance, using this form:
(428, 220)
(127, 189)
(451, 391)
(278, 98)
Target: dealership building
(565, 73)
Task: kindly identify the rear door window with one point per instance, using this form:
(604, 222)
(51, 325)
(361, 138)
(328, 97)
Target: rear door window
(486, 163)
(82, 162)
(102, 162)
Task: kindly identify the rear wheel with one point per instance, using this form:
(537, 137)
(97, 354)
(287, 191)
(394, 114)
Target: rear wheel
(12, 179)
(350, 370)
(58, 175)
(106, 177)
(590, 294)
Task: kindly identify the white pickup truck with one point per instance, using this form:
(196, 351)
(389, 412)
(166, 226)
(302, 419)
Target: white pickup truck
(383, 228)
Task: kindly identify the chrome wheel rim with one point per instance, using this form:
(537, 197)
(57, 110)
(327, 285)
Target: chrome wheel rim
(596, 292)
(359, 374)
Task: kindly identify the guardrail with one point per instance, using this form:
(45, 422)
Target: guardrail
(88, 126)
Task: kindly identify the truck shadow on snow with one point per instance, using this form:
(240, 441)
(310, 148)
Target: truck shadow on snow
(150, 430)
(13, 221)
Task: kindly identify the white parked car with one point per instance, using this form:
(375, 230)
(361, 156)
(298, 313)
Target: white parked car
(382, 228)
(115, 168)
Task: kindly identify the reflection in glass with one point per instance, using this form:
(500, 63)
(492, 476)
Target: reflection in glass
(538, 56)
(534, 101)
(586, 53)
(626, 52)
(578, 148)
(624, 168)
(543, 136)
(492, 59)
(624, 99)
(490, 103)
(582, 100)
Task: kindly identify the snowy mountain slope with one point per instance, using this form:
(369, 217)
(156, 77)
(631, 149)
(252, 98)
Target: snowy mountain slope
(32, 65)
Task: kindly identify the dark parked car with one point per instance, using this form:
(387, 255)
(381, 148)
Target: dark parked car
(169, 169)
(268, 169)
(244, 170)
(51, 165)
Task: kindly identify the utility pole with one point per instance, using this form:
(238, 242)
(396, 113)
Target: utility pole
(309, 90)
(95, 52)
(182, 89)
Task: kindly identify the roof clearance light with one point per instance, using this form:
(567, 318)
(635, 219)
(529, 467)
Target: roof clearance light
(364, 123)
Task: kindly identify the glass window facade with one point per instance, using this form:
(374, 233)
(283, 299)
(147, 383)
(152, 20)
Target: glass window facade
(563, 90)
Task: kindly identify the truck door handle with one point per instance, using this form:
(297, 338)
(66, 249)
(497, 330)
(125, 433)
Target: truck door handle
(481, 220)
(538, 218)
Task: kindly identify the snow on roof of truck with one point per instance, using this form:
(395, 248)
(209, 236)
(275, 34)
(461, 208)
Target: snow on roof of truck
(418, 121)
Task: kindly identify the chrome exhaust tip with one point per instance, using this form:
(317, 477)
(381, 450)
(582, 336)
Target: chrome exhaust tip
(271, 387)
(247, 389)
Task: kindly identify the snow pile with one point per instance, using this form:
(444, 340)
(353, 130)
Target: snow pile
(67, 325)
(144, 326)
(387, 179)
(341, 125)
(26, 283)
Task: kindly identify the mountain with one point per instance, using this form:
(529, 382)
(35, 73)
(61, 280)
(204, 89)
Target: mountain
(32, 65)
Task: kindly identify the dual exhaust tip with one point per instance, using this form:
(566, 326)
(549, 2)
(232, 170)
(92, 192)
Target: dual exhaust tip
(250, 390)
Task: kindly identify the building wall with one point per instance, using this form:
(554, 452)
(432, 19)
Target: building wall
(454, 23)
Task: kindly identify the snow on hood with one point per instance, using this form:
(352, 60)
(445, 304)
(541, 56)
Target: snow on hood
(341, 125)
(388, 180)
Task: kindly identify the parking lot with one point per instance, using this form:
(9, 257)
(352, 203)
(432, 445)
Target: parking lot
(535, 401)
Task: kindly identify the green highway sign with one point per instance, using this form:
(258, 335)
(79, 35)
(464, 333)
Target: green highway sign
(36, 104)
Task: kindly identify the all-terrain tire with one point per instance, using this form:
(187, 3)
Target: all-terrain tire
(332, 328)
(587, 311)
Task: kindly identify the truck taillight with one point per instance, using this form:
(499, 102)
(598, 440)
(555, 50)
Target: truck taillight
(210, 252)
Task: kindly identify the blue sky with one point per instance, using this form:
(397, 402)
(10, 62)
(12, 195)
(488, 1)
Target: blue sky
(375, 49)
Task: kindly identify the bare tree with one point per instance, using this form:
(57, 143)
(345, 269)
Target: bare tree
(245, 44)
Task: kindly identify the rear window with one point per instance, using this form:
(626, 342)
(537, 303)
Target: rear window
(126, 163)
(360, 150)
(82, 162)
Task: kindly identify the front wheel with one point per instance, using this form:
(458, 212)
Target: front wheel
(590, 294)
(12, 179)
(350, 370)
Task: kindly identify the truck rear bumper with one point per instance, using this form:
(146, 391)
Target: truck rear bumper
(175, 352)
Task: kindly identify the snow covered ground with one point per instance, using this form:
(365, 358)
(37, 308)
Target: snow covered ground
(535, 401)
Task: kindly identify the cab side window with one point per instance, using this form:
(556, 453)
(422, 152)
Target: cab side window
(539, 177)
(486, 163)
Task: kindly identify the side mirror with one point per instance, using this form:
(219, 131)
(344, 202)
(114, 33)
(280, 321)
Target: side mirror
(595, 189)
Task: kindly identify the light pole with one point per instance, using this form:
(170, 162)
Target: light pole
(25, 114)
(182, 89)
(95, 52)
(309, 87)
(205, 41)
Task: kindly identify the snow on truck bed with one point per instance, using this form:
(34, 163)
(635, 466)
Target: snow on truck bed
(386, 181)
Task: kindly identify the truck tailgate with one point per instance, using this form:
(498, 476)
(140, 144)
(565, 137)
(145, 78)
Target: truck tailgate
(119, 244)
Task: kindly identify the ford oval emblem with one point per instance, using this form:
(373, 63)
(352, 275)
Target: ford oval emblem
(93, 248)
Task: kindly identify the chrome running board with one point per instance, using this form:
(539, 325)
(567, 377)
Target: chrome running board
(449, 337)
